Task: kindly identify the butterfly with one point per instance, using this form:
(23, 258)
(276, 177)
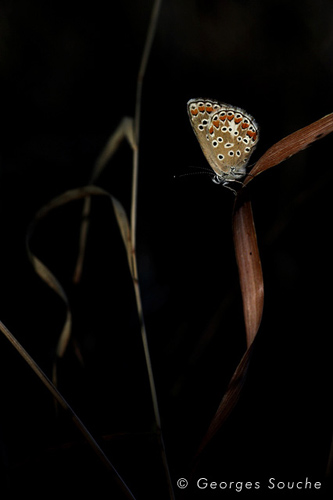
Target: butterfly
(227, 135)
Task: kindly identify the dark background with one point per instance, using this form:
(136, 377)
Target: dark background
(68, 76)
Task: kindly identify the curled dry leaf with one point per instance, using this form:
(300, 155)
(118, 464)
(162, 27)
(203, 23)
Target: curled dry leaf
(248, 259)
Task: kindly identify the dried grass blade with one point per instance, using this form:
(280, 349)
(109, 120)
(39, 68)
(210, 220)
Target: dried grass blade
(48, 277)
(125, 130)
(252, 288)
(42, 270)
(292, 144)
(229, 400)
(63, 403)
(125, 231)
(249, 264)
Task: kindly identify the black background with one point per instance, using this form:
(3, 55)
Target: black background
(68, 76)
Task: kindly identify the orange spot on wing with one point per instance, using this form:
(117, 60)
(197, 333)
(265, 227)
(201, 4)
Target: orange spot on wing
(245, 125)
(223, 117)
(216, 123)
(201, 108)
(211, 130)
(252, 134)
(209, 109)
(194, 112)
(237, 120)
(230, 117)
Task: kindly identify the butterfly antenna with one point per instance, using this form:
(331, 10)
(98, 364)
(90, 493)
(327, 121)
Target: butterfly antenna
(207, 172)
(201, 170)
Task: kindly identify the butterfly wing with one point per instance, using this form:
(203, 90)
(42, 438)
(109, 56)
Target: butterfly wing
(227, 136)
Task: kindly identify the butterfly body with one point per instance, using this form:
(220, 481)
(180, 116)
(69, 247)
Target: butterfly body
(227, 135)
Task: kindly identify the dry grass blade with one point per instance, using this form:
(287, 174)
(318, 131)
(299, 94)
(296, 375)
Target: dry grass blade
(46, 275)
(63, 403)
(249, 265)
(229, 400)
(292, 144)
(248, 259)
(125, 231)
(43, 270)
(124, 130)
